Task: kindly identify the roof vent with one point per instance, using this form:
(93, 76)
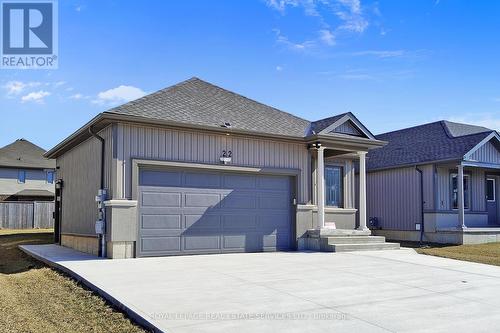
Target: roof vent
(226, 124)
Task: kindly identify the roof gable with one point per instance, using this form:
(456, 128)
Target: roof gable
(347, 128)
(345, 124)
(24, 154)
(487, 151)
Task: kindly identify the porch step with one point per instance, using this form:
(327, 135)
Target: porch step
(337, 232)
(339, 240)
(336, 240)
(364, 247)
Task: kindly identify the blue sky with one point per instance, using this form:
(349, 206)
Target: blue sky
(392, 63)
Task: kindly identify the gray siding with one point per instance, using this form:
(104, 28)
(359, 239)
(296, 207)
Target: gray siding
(487, 153)
(79, 169)
(393, 196)
(428, 179)
(36, 179)
(478, 187)
(347, 128)
(199, 147)
(443, 188)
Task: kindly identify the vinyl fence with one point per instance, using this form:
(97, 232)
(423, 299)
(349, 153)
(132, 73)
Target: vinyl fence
(26, 215)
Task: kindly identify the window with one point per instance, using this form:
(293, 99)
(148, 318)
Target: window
(50, 177)
(21, 177)
(490, 189)
(333, 186)
(454, 191)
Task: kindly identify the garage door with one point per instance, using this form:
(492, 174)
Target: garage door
(186, 212)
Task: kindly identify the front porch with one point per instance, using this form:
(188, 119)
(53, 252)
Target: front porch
(335, 224)
(467, 210)
(466, 197)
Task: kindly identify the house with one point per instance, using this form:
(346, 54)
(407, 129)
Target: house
(195, 168)
(436, 182)
(25, 174)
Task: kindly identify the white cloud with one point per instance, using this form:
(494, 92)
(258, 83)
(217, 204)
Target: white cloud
(280, 5)
(350, 14)
(279, 68)
(349, 11)
(119, 94)
(37, 97)
(303, 46)
(17, 87)
(327, 37)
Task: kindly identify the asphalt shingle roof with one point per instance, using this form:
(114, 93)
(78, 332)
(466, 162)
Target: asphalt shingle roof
(24, 154)
(436, 141)
(195, 101)
(319, 125)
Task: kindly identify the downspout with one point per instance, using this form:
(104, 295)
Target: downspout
(421, 203)
(102, 236)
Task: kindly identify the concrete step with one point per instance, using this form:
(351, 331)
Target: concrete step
(337, 232)
(364, 247)
(333, 240)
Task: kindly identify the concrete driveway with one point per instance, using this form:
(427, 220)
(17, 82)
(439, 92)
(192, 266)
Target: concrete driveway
(396, 291)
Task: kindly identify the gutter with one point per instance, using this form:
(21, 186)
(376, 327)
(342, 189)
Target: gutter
(421, 203)
(102, 236)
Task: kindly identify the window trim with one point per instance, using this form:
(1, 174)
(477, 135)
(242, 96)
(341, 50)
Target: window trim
(494, 189)
(23, 172)
(469, 201)
(342, 190)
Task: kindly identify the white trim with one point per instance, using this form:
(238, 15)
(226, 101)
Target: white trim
(344, 119)
(494, 189)
(120, 203)
(492, 135)
(138, 163)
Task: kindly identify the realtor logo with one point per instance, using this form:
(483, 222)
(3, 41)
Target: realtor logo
(29, 34)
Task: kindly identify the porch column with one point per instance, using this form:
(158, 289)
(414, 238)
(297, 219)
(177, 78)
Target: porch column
(320, 186)
(461, 206)
(362, 190)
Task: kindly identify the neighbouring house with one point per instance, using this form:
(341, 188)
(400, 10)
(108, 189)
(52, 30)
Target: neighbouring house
(436, 182)
(195, 168)
(25, 174)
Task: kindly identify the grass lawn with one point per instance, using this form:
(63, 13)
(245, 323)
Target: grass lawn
(488, 253)
(35, 298)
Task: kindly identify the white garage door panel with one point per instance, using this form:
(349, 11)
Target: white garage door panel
(185, 212)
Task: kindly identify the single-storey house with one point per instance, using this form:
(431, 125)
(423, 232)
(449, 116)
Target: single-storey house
(195, 168)
(25, 174)
(436, 182)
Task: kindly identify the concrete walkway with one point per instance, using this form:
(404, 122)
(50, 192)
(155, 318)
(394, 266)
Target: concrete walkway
(383, 291)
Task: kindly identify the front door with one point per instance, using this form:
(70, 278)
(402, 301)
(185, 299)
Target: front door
(491, 199)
